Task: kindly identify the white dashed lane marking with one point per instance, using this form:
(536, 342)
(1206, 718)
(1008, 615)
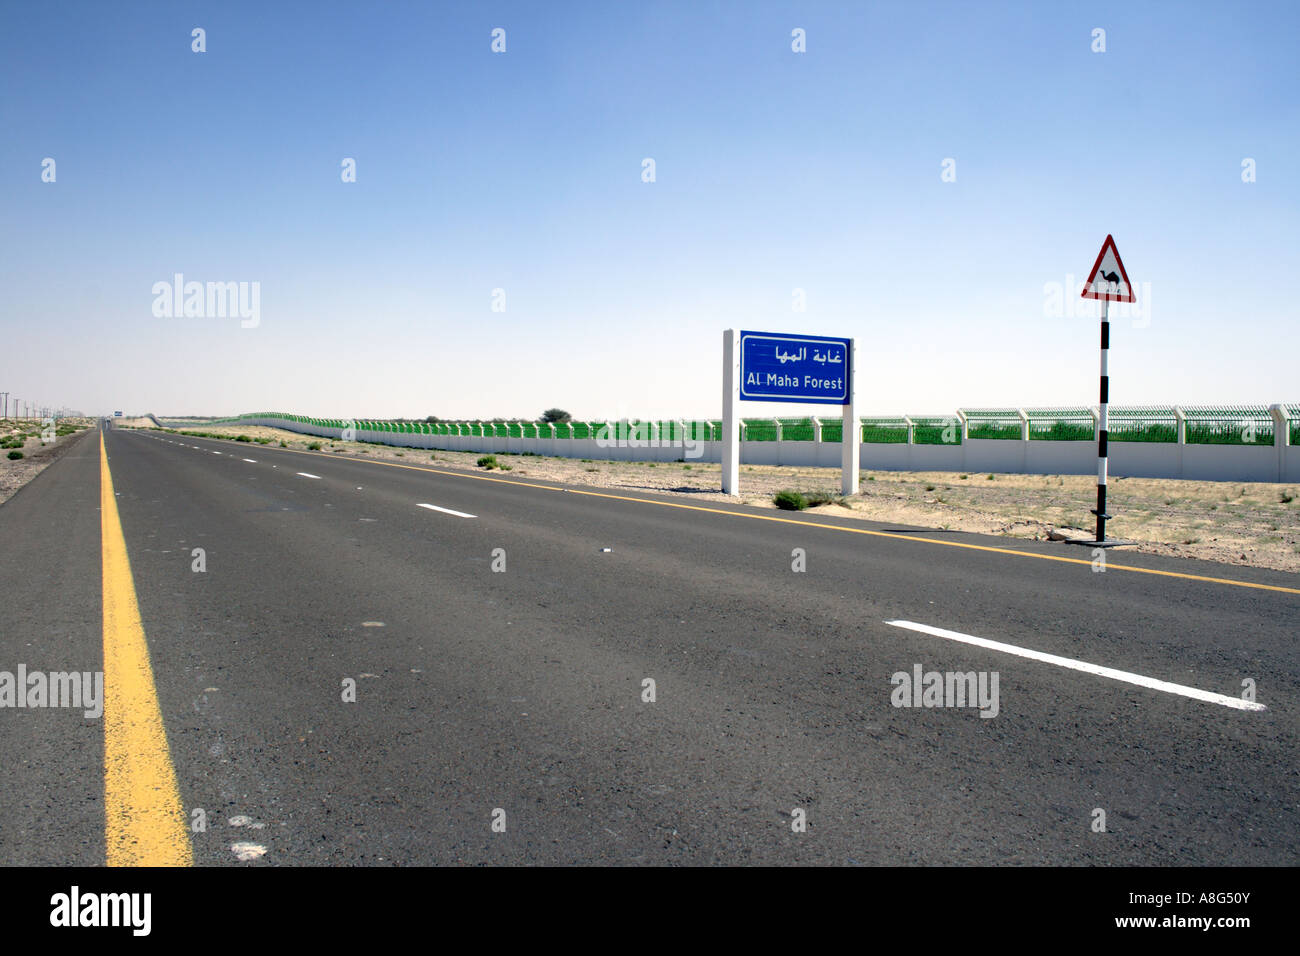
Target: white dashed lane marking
(1069, 662)
(306, 475)
(448, 511)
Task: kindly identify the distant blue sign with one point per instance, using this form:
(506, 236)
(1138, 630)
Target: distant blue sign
(809, 369)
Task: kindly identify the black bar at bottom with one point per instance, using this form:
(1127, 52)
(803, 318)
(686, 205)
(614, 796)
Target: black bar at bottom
(1101, 512)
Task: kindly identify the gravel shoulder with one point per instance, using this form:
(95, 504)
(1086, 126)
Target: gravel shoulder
(14, 473)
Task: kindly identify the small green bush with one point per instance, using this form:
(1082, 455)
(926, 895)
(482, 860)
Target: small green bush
(790, 501)
(15, 455)
(314, 446)
(489, 462)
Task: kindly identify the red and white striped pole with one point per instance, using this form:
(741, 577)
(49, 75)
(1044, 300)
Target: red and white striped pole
(1100, 510)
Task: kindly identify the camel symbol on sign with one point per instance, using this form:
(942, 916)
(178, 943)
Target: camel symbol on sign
(1111, 277)
(1111, 285)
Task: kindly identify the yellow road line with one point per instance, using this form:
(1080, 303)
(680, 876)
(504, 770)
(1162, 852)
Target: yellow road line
(899, 536)
(896, 536)
(144, 821)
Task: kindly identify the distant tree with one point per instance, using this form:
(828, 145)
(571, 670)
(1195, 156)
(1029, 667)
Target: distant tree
(556, 416)
(433, 418)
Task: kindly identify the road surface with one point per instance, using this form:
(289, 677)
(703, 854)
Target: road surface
(503, 716)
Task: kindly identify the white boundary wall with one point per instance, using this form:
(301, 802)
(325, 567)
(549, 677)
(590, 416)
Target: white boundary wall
(1277, 463)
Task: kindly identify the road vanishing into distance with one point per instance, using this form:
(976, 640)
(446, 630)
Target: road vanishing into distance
(344, 675)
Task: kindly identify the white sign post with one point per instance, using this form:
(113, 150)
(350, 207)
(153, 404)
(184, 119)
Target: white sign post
(851, 439)
(731, 412)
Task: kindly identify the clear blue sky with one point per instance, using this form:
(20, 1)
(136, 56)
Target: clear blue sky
(522, 171)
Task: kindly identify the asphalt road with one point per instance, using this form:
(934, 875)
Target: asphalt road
(480, 691)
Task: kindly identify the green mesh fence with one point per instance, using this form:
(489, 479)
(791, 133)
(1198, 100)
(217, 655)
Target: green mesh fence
(997, 423)
(796, 429)
(1150, 423)
(1228, 425)
(880, 431)
(1061, 424)
(936, 430)
(1219, 424)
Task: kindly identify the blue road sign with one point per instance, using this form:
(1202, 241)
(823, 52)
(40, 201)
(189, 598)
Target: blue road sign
(809, 369)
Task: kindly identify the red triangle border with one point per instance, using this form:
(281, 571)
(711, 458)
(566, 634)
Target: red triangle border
(1096, 266)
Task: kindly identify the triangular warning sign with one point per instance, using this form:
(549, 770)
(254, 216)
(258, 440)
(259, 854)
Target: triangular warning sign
(1108, 280)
